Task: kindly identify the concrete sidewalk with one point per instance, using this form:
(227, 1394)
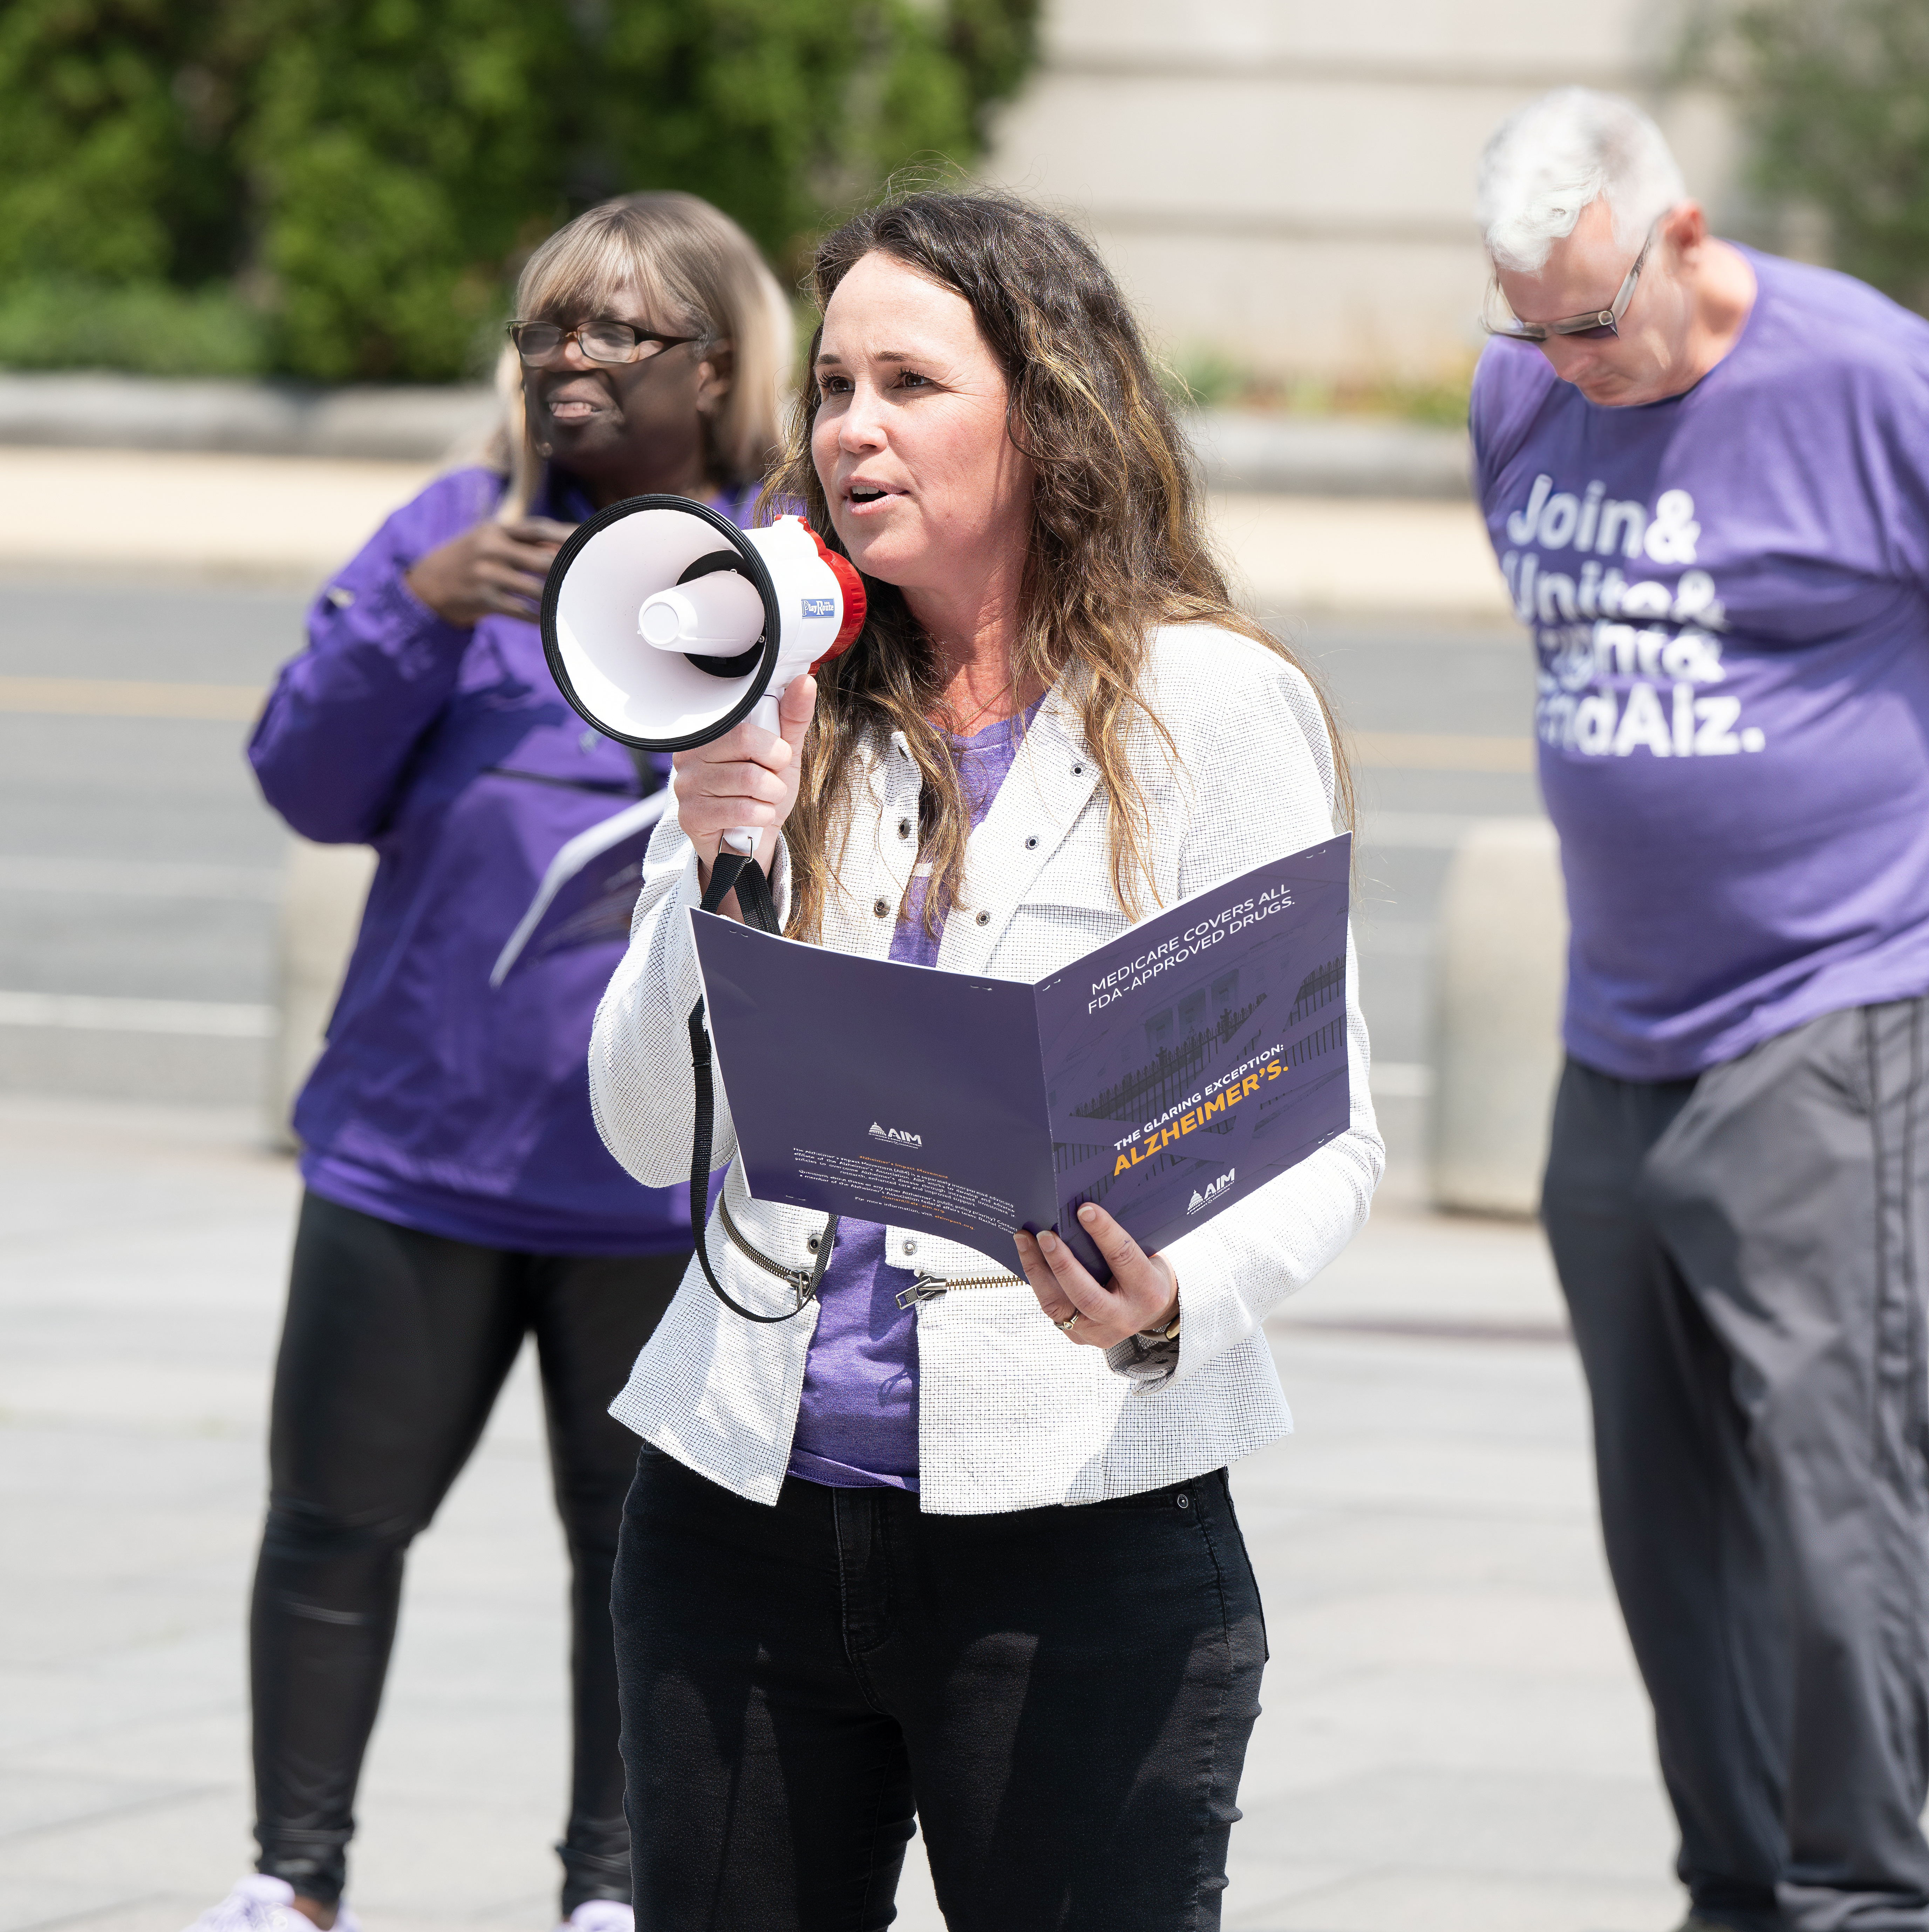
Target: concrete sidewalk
(1238, 449)
(1453, 1736)
(288, 520)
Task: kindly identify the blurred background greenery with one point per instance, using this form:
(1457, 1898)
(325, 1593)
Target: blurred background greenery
(1204, 377)
(343, 190)
(1833, 97)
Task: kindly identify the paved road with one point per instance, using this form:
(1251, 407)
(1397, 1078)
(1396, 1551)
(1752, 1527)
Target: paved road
(136, 862)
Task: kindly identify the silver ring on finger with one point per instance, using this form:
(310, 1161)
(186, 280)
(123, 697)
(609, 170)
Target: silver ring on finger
(1064, 1327)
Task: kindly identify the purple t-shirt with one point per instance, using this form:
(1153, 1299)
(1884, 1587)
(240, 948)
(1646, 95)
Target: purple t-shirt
(1729, 594)
(857, 1423)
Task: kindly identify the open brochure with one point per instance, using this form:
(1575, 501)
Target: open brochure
(1166, 1075)
(589, 893)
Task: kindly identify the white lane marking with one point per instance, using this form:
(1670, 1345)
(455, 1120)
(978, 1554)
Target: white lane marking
(1401, 1079)
(130, 698)
(1422, 831)
(1397, 939)
(88, 1012)
(133, 878)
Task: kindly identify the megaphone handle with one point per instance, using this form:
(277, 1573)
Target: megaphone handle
(744, 839)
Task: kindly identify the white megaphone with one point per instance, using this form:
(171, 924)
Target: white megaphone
(666, 625)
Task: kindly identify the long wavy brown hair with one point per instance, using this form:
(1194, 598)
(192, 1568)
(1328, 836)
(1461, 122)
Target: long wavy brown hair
(1117, 546)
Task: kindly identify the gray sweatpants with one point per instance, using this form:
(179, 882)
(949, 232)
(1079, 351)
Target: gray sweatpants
(1743, 1255)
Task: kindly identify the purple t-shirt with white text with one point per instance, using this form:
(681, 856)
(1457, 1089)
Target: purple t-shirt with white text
(1728, 595)
(857, 1423)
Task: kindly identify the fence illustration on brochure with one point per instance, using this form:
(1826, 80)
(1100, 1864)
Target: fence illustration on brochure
(1609, 641)
(1180, 1070)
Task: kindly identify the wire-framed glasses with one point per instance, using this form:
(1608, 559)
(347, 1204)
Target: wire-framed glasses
(1597, 325)
(540, 342)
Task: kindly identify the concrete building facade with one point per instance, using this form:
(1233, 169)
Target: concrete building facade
(1289, 184)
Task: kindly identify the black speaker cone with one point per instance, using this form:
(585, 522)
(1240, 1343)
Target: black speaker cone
(745, 662)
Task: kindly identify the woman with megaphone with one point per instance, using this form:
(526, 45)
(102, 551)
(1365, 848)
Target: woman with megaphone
(844, 1597)
(457, 1198)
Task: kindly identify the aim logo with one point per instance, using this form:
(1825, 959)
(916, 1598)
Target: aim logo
(1212, 1193)
(895, 1136)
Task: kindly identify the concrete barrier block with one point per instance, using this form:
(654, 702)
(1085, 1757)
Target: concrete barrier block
(1500, 975)
(98, 409)
(325, 889)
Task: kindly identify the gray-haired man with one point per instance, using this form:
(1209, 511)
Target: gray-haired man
(1706, 472)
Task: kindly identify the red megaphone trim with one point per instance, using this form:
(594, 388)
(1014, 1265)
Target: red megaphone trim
(852, 585)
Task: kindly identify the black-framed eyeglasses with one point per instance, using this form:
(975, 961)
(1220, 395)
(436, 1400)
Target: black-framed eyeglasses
(540, 342)
(1598, 325)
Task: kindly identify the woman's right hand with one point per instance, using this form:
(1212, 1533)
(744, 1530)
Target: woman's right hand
(492, 570)
(747, 777)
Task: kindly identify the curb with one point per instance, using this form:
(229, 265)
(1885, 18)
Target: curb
(1264, 455)
(1329, 456)
(103, 411)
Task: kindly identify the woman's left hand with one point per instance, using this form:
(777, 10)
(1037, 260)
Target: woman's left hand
(1144, 1293)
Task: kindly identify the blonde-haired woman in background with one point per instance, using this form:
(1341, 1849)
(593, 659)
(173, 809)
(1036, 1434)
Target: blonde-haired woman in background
(458, 1197)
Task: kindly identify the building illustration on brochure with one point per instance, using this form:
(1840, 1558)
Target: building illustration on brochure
(1167, 1074)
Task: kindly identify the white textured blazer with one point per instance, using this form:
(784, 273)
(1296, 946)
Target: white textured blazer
(1011, 1415)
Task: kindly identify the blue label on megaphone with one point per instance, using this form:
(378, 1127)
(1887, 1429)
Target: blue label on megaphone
(819, 607)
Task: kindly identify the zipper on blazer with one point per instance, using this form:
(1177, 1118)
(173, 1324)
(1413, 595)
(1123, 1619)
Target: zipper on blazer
(929, 1287)
(797, 1279)
(924, 1287)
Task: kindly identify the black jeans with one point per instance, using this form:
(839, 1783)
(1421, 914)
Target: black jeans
(395, 1345)
(1063, 1696)
(1743, 1255)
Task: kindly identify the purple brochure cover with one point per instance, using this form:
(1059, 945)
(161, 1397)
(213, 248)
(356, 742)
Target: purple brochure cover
(1202, 1054)
(884, 1091)
(1166, 1075)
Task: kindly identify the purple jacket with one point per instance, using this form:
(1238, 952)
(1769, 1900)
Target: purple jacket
(438, 1103)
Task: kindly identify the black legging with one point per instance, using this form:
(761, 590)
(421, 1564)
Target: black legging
(395, 1346)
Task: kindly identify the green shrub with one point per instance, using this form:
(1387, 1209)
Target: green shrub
(401, 151)
(112, 166)
(1204, 378)
(344, 189)
(785, 115)
(1834, 95)
(147, 327)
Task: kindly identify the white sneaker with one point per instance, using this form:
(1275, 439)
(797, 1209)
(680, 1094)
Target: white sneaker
(260, 1903)
(599, 1914)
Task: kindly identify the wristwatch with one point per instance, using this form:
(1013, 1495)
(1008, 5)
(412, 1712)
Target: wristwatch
(1170, 1332)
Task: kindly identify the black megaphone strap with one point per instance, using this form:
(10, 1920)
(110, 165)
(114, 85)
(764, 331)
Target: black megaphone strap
(731, 870)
